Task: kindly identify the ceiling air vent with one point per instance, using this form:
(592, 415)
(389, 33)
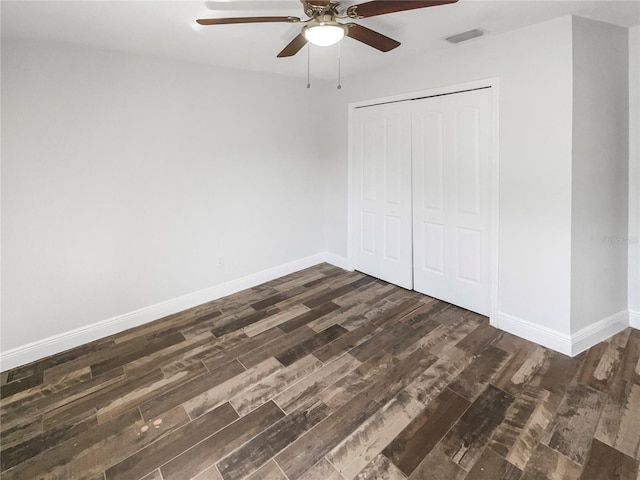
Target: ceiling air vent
(464, 36)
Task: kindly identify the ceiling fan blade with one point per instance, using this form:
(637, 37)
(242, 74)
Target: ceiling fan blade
(371, 37)
(224, 21)
(382, 7)
(294, 46)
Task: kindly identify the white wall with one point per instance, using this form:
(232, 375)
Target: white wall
(634, 176)
(125, 177)
(534, 66)
(599, 205)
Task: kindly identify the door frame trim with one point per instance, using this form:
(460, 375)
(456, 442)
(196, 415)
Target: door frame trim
(494, 84)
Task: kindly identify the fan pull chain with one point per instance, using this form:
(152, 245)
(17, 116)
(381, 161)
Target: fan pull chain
(339, 54)
(308, 62)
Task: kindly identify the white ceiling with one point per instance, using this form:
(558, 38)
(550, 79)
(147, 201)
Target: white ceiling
(167, 29)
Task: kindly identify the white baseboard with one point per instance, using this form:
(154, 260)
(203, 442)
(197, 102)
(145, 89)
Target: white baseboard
(337, 260)
(545, 336)
(568, 344)
(634, 319)
(599, 331)
(59, 343)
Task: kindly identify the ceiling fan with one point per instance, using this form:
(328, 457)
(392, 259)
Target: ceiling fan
(323, 29)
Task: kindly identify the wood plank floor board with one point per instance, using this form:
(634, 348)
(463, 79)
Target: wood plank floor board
(170, 446)
(367, 441)
(619, 422)
(179, 327)
(309, 449)
(482, 369)
(307, 390)
(44, 402)
(491, 466)
(428, 385)
(257, 451)
(574, 425)
(313, 343)
(380, 468)
(346, 342)
(170, 355)
(556, 371)
(102, 352)
(322, 470)
(62, 453)
(151, 347)
(479, 339)
(217, 395)
(232, 347)
(114, 448)
(387, 338)
(11, 456)
(276, 346)
(426, 313)
(274, 320)
(468, 438)
(62, 360)
(10, 437)
(120, 397)
(323, 375)
(521, 367)
(22, 384)
(309, 317)
(399, 375)
(263, 390)
(337, 318)
(358, 380)
(425, 431)
(366, 294)
(208, 452)
(269, 470)
(244, 321)
(604, 461)
(378, 315)
(338, 292)
(547, 464)
(437, 465)
(47, 388)
(189, 389)
(525, 422)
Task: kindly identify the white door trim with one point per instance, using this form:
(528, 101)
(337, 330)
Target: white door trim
(494, 83)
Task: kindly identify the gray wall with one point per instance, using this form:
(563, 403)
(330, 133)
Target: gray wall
(599, 205)
(634, 175)
(124, 178)
(534, 67)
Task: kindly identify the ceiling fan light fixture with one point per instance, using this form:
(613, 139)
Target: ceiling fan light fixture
(323, 34)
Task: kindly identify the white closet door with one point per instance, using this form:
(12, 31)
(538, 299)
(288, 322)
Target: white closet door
(452, 142)
(382, 192)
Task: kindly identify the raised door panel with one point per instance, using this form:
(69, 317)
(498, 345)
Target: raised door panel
(381, 139)
(452, 141)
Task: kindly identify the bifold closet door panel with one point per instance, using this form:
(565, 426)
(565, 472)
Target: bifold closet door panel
(381, 142)
(451, 143)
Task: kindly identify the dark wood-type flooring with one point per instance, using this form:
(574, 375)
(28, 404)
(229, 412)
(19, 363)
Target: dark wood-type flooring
(324, 374)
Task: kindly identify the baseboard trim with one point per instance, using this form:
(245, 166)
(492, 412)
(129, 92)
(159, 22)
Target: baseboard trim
(634, 319)
(37, 350)
(599, 331)
(545, 336)
(570, 345)
(337, 261)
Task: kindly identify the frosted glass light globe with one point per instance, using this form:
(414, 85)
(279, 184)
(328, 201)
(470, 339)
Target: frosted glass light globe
(324, 35)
